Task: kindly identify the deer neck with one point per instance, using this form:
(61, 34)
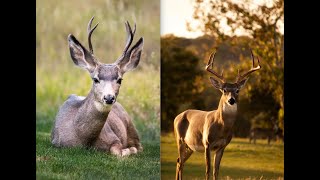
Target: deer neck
(227, 113)
(90, 119)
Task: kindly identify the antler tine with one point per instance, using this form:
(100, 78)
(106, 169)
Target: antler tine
(90, 31)
(241, 77)
(130, 35)
(134, 30)
(210, 62)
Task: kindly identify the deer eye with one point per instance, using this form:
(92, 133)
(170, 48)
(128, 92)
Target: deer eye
(237, 91)
(119, 81)
(224, 91)
(95, 80)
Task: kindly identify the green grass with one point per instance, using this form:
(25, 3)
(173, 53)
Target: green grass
(80, 163)
(57, 77)
(241, 160)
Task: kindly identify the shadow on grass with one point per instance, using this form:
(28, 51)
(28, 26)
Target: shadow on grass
(193, 171)
(242, 160)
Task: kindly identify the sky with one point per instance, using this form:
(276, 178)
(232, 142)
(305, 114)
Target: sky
(175, 14)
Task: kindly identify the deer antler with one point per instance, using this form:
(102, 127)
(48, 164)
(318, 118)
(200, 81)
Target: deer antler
(130, 35)
(241, 77)
(210, 62)
(90, 31)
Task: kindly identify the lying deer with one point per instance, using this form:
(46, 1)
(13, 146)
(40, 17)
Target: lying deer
(98, 120)
(206, 131)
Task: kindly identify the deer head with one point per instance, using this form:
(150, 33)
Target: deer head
(106, 77)
(230, 91)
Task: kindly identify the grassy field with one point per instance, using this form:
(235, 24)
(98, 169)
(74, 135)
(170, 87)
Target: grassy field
(57, 77)
(79, 163)
(241, 160)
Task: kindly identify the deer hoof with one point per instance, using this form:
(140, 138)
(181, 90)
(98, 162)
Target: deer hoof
(133, 150)
(125, 152)
(117, 153)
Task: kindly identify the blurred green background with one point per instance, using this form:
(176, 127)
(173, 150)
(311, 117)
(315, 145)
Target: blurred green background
(57, 77)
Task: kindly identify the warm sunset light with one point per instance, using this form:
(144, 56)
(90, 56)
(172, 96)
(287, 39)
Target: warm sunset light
(176, 13)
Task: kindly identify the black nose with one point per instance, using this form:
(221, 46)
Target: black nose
(232, 101)
(109, 99)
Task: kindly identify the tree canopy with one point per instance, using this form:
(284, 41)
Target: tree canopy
(233, 28)
(263, 24)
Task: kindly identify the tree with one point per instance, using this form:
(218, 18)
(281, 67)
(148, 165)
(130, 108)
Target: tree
(178, 73)
(262, 23)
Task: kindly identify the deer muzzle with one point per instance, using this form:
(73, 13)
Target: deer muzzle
(231, 101)
(109, 99)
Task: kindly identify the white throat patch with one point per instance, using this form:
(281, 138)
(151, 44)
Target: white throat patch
(227, 108)
(100, 107)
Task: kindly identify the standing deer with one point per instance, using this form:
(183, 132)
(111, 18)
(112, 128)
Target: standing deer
(205, 131)
(261, 133)
(98, 120)
(274, 133)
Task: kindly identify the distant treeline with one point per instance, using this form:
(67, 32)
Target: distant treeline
(185, 83)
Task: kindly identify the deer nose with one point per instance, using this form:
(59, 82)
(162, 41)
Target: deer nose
(231, 101)
(109, 99)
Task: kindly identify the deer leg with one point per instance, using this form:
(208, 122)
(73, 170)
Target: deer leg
(178, 169)
(208, 161)
(116, 149)
(187, 154)
(181, 150)
(217, 160)
(109, 142)
(178, 159)
(184, 153)
(133, 139)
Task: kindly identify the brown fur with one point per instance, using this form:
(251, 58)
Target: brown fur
(205, 131)
(96, 120)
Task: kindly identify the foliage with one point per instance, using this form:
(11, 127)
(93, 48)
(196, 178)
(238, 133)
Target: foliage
(178, 73)
(253, 100)
(240, 160)
(262, 23)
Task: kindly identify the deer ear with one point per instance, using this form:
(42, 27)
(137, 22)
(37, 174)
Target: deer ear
(80, 55)
(242, 83)
(132, 58)
(217, 84)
